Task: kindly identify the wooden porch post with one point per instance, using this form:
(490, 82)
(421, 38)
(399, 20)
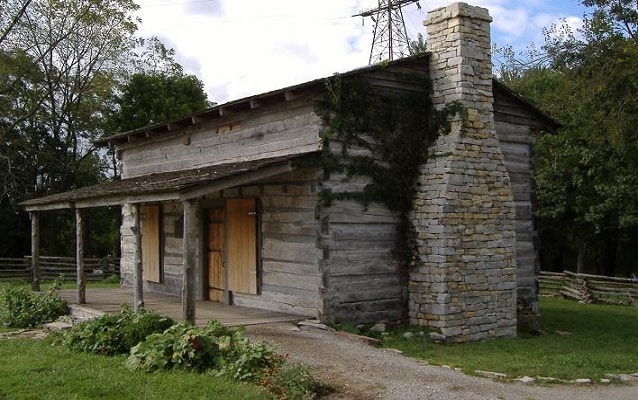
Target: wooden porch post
(138, 286)
(79, 256)
(35, 251)
(190, 259)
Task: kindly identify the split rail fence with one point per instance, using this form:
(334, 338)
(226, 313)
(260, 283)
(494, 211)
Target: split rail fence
(589, 288)
(16, 269)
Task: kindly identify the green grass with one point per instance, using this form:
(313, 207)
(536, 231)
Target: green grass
(34, 369)
(596, 340)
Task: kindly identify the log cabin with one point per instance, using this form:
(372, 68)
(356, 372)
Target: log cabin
(229, 204)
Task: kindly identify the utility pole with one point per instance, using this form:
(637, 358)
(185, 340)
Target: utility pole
(390, 38)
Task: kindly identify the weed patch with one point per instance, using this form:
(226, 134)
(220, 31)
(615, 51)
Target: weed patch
(22, 308)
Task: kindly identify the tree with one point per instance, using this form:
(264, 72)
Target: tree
(156, 97)
(587, 174)
(68, 69)
(59, 62)
(10, 13)
(418, 46)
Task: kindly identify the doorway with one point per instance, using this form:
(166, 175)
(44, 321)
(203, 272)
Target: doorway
(232, 248)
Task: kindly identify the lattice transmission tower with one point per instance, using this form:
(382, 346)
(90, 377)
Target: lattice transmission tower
(390, 38)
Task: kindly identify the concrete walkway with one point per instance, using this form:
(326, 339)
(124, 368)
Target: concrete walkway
(111, 300)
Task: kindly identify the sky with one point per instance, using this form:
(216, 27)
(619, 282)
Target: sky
(240, 48)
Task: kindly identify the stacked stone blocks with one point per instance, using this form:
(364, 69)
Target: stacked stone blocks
(464, 213)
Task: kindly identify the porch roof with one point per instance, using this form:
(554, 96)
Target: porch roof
(178, 185)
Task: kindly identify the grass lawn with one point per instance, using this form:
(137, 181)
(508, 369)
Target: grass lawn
(595, 340)
(33, 369)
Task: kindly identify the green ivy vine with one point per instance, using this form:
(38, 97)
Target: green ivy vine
(397, 127)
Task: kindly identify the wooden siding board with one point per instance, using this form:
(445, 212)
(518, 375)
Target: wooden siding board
(291, 267)
(354, 265)
(279, 250)
(298, 134)
(297, 281)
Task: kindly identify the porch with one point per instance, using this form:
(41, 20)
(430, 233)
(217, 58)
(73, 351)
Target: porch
(111, 300)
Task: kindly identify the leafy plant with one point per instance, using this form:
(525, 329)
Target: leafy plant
(181, 346)
(246, 361)
(22, 308)
(115, 333)
(224, 352)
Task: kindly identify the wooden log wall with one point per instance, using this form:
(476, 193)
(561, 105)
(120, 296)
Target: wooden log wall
(293, 128)
(516, 133)
(289, 274)
(171, 250)
(363, 280)
(290, 280)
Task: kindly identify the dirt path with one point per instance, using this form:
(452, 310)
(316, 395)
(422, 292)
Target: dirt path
(362, 372)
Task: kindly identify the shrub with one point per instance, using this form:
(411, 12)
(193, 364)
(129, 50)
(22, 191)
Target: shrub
(22, 308)
(290, 382)
(115, 333)
(223, 352)
(245, 361)
(214, 346)
(181, 346)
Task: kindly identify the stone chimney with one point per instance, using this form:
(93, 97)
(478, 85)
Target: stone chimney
(465, 283)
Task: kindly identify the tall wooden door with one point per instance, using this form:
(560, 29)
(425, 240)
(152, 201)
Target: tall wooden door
(151, 240)
(232, 248)
(241, 245)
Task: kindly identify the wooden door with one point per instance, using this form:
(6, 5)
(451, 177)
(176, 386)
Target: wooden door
(232, 248)
(241, 245)
(216, 254)
(151, 260)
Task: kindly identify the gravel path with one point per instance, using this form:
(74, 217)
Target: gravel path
(362, 372)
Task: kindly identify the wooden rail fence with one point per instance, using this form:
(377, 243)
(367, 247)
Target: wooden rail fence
(589, 288)
(13, 269)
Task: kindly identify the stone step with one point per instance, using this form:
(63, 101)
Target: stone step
(80, 313)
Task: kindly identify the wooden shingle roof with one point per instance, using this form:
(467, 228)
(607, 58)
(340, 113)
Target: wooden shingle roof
(178, 185)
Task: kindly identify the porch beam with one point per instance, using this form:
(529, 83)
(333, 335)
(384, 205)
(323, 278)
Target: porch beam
(237, 180)
(35, 251)
(105, 201)
(79, 256)
(138, 284)
(191, 227)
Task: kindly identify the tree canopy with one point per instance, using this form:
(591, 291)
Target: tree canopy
(69, 71)
(587, 174)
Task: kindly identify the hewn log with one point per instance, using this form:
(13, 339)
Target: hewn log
(79, 256)
(138, 286)
(190, 258)
(35, 250)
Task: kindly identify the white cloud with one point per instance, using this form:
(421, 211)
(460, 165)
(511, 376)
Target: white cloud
(244, 47)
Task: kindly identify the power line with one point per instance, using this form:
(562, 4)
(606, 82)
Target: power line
(390, 38)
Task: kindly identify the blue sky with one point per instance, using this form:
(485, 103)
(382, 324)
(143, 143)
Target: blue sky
(240, 48)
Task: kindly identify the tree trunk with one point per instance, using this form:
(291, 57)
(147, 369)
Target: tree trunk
(608, 257)
(580, 263)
